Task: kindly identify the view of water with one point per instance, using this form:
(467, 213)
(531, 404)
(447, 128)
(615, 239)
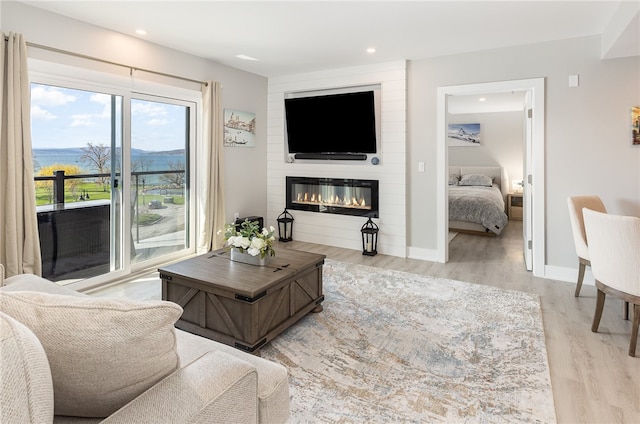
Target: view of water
(153, 161)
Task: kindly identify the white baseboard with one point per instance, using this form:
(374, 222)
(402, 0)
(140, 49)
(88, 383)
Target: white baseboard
(422, 254)
(551, 272)
(568, 274)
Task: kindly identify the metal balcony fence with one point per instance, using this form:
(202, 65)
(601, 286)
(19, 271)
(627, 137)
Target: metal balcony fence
(75, 238)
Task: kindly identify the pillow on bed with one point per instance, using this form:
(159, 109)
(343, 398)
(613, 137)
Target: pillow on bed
(476, 180)
(453, 179)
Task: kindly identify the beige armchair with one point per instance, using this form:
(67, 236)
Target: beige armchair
(576, 203)
(614, 245)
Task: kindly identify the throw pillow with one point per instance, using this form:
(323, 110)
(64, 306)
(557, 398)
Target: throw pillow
(26, 391)
(476, 180)
(102, 352)
(453, 179)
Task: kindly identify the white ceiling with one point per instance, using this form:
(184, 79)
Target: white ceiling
(291, 37)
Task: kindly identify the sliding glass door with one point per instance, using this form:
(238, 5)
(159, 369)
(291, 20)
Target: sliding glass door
(112, 175)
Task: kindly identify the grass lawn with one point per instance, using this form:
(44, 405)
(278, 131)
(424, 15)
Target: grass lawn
(90, 191)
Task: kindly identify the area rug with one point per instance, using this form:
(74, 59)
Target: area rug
(392, 346)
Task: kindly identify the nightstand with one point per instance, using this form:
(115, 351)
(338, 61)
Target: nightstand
(514, 206)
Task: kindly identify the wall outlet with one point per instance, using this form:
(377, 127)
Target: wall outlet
(420, 166)
(236, 215)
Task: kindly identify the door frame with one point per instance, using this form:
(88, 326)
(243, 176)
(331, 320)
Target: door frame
(537, 187)
(50, 73)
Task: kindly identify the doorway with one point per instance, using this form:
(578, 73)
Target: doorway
(125, 203)
(533, 169)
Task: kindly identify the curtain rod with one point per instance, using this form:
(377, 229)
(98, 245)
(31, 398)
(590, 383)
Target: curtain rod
(96, 59)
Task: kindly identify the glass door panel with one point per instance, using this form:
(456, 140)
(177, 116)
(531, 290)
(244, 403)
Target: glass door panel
(76, 139)
(159, 178)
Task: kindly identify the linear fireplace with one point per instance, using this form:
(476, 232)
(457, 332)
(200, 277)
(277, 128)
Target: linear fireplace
(333, 195)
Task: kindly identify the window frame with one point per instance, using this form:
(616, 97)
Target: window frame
(56, 74)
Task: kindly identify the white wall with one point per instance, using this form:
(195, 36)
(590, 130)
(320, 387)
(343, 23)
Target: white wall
(587, 144)
(245, 167)
(501, 142)
(341, 230)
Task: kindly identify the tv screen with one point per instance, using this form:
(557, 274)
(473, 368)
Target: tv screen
(336, 123)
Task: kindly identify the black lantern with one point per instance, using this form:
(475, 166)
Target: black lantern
(285, 226)
(369, 238)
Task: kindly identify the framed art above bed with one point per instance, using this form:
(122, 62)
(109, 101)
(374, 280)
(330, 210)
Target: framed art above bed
(463, 135)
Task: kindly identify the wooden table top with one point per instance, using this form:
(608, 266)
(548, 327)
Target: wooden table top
(216, 269)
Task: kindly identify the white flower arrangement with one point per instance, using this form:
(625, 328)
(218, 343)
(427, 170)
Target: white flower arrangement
(250, 239)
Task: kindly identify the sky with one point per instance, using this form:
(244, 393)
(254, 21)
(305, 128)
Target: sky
(63, 117)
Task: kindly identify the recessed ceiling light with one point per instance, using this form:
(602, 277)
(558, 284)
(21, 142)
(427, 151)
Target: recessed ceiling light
(371, 50)
(245, 57)
(482, 99)
(141, 32)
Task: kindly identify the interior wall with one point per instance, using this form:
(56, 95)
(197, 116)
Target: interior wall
(587, 136)
(245, 168)
(501, 142)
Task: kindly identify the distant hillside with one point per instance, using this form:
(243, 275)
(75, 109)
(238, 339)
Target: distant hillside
(68, 151)
(164, 152)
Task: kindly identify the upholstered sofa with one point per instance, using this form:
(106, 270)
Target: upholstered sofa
(68, 357)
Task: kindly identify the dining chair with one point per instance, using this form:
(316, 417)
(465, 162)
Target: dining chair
(576, 203)
(614, 246)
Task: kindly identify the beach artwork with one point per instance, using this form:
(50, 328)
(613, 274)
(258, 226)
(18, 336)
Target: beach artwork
(239, 128)
(463, 135)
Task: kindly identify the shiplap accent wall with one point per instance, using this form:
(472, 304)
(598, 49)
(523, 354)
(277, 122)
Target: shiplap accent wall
(341, 230)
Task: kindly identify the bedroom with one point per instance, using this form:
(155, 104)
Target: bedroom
(499, 120)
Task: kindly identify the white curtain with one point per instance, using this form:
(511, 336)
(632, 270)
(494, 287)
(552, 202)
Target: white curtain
(19, 240)
(211, 192)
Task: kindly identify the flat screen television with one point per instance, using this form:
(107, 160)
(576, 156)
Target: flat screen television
(341, 126)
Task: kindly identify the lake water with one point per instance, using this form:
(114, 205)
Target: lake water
(152, 160)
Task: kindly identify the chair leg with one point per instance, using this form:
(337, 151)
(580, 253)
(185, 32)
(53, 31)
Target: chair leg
(634, 330)
(581, 269)
(625, 311)
(598, 313)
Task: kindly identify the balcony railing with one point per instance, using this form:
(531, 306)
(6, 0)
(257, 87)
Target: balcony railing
(75, 238)
(59, 179)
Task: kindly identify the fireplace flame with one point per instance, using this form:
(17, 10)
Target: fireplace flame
(334, 200)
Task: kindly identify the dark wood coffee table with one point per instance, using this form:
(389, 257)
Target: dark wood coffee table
(243, 305)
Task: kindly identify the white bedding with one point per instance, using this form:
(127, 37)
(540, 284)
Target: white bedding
(478, 204)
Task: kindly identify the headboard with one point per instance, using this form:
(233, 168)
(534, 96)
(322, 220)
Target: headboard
(497, 173)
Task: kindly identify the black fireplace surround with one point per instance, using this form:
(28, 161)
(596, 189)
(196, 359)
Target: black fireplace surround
(333, 195)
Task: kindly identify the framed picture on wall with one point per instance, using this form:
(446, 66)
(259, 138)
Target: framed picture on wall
(463, 135)
(635, 126)
(239, 128)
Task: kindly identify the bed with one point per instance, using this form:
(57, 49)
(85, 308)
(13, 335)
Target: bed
(476, 200)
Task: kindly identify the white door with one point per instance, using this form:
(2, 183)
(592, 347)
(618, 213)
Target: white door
(527, 207)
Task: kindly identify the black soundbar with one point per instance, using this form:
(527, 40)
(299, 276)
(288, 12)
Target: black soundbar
(330, 156)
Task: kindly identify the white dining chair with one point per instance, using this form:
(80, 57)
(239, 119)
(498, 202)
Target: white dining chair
(614, 246)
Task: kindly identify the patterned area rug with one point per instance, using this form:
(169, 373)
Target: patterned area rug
(397, 347)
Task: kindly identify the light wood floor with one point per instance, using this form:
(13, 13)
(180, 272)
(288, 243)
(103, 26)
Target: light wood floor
(593, 378)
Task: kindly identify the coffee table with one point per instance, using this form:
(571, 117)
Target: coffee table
(242, 305)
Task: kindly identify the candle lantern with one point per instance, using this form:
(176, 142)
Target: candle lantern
(369, 238)
(285, 226)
